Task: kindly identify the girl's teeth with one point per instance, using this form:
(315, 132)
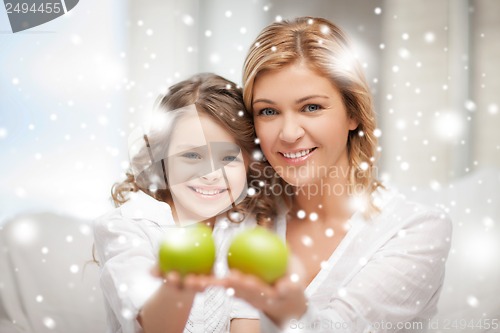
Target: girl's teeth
(297, 154)
(211, 192)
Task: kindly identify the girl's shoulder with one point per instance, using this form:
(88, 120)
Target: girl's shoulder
(140, 206)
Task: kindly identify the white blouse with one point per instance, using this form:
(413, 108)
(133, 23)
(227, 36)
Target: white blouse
(385, 275)
(127, 241)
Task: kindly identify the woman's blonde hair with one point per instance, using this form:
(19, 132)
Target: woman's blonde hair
(221, 100)
(325, 48)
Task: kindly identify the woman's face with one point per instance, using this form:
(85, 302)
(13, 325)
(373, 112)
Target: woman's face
(302, 125)
(206, 171)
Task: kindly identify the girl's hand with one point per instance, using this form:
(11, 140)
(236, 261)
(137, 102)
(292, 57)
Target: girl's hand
(281, 301)
(191, 283)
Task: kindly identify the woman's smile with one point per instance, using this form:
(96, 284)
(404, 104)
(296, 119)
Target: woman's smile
(304, 126)
(298, 156)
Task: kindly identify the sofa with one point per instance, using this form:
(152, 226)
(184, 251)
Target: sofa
(48, 280)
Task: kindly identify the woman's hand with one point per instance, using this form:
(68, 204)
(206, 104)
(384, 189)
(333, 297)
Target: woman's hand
(281, 301)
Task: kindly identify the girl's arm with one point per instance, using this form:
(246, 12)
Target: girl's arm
(160, 314)
(167, 310)
(136, 297)
(245, 326)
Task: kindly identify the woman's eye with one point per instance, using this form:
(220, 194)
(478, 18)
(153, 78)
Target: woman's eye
(267, 112)
(312, 107)
(192, 156)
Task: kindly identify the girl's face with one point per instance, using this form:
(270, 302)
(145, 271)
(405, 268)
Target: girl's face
(206, 170)
(302, 125)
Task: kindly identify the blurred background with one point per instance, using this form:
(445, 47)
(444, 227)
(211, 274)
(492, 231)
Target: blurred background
(72, 89)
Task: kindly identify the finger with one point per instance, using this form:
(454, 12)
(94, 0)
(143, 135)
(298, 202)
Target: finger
(156, 272)
(173, 279)
(229, 281)
(197, 282)
(248, 286)
(221, 282)
(283, 287)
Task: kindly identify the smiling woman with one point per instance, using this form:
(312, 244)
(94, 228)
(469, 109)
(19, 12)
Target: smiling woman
(363, 257)
(311, 104)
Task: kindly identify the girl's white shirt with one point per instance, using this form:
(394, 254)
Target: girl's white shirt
(127, 242)
(385, 275)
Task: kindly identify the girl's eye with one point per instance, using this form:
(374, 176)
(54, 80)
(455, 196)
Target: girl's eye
(267, 112)
(192, 156)
(230, 158)
(312, 107)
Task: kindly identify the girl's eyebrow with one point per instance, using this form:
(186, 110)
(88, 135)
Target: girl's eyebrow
(189, 146)
(299, 101)
(186, 147)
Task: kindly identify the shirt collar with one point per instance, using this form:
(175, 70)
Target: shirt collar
(142, 206)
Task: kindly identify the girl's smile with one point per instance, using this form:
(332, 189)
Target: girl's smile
(208, 193)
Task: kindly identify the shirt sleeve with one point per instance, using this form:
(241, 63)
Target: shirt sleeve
(395, 290)
(241, 309)
(126, 257)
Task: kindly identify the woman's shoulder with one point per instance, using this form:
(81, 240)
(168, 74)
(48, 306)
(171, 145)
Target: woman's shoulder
(395, 208)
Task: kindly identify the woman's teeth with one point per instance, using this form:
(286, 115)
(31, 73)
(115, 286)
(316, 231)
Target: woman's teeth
(297, 154)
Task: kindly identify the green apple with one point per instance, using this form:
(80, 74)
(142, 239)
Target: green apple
(186, 250)
(259, 252)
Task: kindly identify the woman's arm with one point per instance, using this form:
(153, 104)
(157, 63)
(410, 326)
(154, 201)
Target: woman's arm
(399, 284)
(284, 300)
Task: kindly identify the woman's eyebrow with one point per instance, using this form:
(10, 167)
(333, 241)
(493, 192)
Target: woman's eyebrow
(263, 100)
(303, 99)
(299, 101)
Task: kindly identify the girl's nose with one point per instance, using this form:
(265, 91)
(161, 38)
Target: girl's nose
(291, 129)
(212, 177)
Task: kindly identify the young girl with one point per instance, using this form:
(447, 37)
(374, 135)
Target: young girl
(190, 167)
(372, 261)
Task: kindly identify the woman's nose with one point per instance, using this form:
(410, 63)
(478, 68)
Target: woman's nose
(291, 129)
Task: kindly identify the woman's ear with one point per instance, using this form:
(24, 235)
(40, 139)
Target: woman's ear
(353, 124)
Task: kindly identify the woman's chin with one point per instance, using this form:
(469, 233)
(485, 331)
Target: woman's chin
(298, 181)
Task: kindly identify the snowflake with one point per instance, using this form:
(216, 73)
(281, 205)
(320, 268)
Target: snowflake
(429, 37)
(49, 322)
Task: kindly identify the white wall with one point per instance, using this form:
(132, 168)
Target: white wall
(434, 113)
(171, 40)
(484, 85)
